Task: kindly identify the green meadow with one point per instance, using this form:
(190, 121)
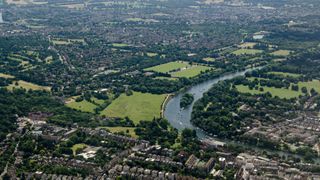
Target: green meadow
(315, 84)
(281, 53)
(179, 69)
(247, 52)
(27, 86)
(285, 74)
(84, 106)
(139, 106)
(280, 92)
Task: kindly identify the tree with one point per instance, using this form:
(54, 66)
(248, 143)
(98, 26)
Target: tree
(304, 90)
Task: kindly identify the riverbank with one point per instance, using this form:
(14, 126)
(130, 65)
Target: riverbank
(164, 103)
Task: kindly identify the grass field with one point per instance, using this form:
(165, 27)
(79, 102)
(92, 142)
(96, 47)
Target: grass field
(60, 42)
(6, 76)
(123, 129)
(281, 53)
(120, 45)
(165, 68)
(190, 72)
(139, 106)
(247, 45)
(183, 69)
(84, 106)
(315, 84)
(57, 41)
(285, 74)
(281, 93)
(98, 101)
(76, 147)
(27, 85)
(209, 59)
(246, 51)
(151, 54)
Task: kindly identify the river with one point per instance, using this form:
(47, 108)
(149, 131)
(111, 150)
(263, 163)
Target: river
(180, 118)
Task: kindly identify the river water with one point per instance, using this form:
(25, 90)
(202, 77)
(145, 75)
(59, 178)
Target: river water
(180, 118)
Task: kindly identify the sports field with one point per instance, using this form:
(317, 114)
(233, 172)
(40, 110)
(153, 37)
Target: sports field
(139, 106)
(165, 68)
(190, 72)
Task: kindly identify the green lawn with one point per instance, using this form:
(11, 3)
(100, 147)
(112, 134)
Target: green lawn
(76, 147)
(285, 74)
(84, 106)
(139, 106)
(281, 53)
(27, 86)
(165, 68)
(123, 129)
(247, 52)
(190, 72)
(315, 84)
(281, 93)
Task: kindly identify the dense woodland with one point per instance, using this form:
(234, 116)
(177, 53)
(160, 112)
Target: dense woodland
(20, 103)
